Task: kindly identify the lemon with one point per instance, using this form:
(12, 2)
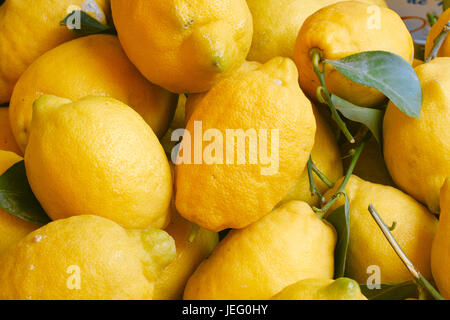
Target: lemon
(85, 257)
(93, 65)
(182, 45)
(194, 99)
(344, 29)
(28, 29)
(277, 23)
(97, 156)
(325, 152)
(414, 231)
(239, 183)
(417, 151)
(322, 289)
(287, 245)
(440, 253)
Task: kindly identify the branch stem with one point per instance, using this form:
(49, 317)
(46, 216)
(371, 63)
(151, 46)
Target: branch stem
(418, 277)
(324, 96)
(322, 212)
(438, 42)
(312, 185)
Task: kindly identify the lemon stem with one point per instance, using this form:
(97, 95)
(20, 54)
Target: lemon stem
(319, 173)
(194, 232)
(312, 185)
(394, 225)
(438, 42)
(324, 96)
(322, 212)
(418, 277)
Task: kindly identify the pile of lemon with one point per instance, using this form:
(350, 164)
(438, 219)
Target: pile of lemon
(92, 117)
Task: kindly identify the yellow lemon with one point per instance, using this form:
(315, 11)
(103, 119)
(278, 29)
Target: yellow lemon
(440, 253)
(184, 46)
(325, 153)
(322, 289)
(261, 131)
(85, 257)
(7, 140)
(12, 229)
(97, 156)
(30, 28)
(436, 29)
(344, 29)
(194, 99)
(287, 245)
(94, 65)
(414, 231)
(276, 25)
(326, 158)
(173, 278)
(417, 151)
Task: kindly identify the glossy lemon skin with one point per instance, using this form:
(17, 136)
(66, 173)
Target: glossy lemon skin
(93, 65)
(414, 231)
(84, 258)
(184, 46)
(440, 253)
(277, 23)
(322, 289)
(97, 155)
(288, 245)
(417, 151)
(347, 28)
(28, 29)
(234, 195)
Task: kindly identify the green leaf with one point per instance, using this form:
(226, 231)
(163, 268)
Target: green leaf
(392, 291)
(340, 219)
(388, 73)
(372, 118)
(84, 24)
(17, 198)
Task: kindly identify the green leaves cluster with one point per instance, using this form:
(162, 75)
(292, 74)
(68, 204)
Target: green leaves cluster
(386, 72)
(372, 118)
